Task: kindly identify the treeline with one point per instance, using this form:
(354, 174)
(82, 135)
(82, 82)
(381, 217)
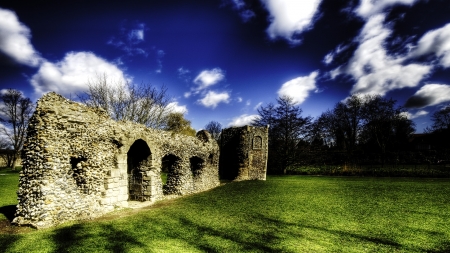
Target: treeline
(361, 135)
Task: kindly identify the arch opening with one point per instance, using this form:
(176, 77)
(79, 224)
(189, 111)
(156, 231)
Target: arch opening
(138, 161)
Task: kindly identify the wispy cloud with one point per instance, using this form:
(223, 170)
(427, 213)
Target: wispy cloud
(159, 55)
(435, 42)
(212, 99)
(256, 107)
(373, 69)
(15, 40)
(369, 8)
(299, 88)
(243, 120)
(129, 39)
(428, 95)
(329, 58)
(239, 5)
(290, 18)
(71, 75)
(417, 114)
(184, 74)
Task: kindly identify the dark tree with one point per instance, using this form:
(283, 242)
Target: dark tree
(440, 129)
(386, 127)
(288, 131)
(441, 119)
(214, 128)
(15, 112)
(340, 127)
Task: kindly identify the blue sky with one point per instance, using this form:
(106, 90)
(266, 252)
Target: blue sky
(222, 59)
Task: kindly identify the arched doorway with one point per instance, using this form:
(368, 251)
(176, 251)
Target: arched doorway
(139, 161)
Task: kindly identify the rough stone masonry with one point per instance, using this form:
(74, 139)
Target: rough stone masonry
(78, 163)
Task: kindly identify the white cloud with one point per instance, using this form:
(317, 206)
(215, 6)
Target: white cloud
(290, 17)
(208, 78)
(187, 94)
(369, 8)
(239, 99)
(71, 75)
(212, 99)
(243, 120)
(428, 95)
(416, 114)
(435, 42)
(256, 107)
(299, 88)
(15, 40)
(329, 58)
(175, 107)
(374, 71)
(136, 35)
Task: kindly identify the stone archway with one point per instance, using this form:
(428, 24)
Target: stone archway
(139, 161)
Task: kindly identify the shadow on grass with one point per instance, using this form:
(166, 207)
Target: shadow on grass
(344, 234)
(443, 248)
(8, 211)
(78, 238)
(235, 236)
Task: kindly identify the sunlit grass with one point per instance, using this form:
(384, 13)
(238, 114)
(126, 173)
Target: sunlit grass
(282, 214)
(9, 181)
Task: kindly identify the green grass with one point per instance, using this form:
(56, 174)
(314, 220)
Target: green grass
(282, 214)
(9, 181)
(164, 177)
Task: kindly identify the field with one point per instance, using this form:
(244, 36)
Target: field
(282, 214)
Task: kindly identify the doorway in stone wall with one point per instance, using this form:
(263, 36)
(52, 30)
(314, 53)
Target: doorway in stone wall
(170, 167)
(139, 161)
(197, 165)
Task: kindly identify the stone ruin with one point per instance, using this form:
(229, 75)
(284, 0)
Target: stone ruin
(243, 153)
(78, 163)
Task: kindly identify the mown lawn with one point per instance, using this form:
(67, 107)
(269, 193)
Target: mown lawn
(282, 214)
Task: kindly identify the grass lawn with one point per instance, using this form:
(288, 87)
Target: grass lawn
(282, 214)
(9, 181)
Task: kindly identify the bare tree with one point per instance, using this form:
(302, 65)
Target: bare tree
(287, 133)
(15, 112)
(341, 126)
(214, 128)
(144, 104)
(5, 151)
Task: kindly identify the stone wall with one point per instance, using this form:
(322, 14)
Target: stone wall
(78, 163)
(243, 153)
